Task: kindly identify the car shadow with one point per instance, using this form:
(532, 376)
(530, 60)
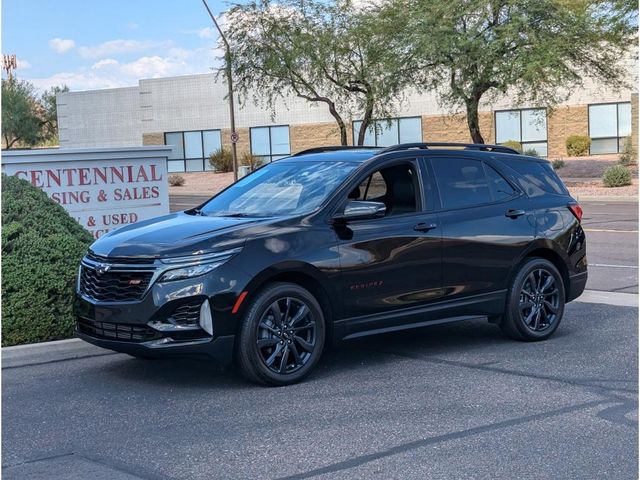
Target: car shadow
(365, 352)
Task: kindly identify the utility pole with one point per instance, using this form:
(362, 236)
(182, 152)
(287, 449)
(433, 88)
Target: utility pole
(232, 117)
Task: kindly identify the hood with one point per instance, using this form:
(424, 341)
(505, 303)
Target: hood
(177, 234)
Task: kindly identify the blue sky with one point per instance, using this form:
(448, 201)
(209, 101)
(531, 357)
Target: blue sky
(89, 44)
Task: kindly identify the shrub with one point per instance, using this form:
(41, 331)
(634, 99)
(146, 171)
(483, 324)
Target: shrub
(558, 163)
(532, 152)
(628, 155)
(513, 144)
(248, 160)
(176, 180)
(616, 176)
(221, 160)
(578, 145)
(41, 249)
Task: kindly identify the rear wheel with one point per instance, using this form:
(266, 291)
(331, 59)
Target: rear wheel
(282, 335)
(535, 303)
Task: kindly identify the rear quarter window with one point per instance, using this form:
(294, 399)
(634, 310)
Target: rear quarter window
(537, 178)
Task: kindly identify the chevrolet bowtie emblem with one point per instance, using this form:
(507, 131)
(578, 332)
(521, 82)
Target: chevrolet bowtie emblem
(102, 268)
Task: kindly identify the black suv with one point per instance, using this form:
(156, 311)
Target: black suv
(336, 243)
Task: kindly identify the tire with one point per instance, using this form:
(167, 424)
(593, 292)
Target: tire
(272, 355)
(535, 303)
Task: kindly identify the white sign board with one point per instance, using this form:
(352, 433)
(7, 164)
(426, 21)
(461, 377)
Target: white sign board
(103, 189)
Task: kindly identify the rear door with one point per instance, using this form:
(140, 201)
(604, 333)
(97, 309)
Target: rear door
(487, 223)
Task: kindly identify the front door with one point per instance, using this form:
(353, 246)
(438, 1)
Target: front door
(390, 265)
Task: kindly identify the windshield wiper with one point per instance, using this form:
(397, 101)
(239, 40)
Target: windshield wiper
(234, 214)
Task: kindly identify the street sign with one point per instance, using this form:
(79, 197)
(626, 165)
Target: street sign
(235, 137)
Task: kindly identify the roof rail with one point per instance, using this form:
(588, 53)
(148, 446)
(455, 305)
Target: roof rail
(466, 146)
(332, 149)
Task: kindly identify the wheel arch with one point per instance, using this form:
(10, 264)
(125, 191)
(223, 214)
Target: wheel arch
(305, 275)
(545, 250)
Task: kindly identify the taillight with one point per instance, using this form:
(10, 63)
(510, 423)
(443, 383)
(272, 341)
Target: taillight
(576, 209)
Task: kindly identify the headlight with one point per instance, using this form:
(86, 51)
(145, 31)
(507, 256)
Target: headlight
(194, 266)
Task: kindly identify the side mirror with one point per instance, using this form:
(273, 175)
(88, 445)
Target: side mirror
(360, 210)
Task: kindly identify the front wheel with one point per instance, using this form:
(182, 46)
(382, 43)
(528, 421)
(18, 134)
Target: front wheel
(282, 335)
(535, 303)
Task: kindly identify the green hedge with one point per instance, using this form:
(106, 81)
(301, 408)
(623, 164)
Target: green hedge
(41, 249)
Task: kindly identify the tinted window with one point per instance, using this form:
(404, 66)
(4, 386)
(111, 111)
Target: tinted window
(537, 178)
(462, 182)
(280, 188)
(500, 188)
(395, 186)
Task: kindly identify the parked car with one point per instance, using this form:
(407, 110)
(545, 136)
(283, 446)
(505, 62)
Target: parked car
(337, 243)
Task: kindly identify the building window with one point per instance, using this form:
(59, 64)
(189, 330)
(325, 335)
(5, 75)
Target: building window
(527, 127)
(384, 133)
(191, 149)
(609, 124)
(270, 143)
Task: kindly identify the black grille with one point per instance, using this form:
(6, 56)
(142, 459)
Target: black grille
(117, 331)
(119, 260)
(187, 314)
(113, 286)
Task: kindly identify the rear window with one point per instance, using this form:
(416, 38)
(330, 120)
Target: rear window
(537, 178)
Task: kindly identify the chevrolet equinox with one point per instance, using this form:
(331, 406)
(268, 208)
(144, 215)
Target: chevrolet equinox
(336, 243)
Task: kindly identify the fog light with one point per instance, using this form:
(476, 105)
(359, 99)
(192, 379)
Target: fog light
(206, 322)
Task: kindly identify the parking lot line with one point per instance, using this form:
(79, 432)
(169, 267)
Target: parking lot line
(605, 265)
(609, 230)
(609, 298)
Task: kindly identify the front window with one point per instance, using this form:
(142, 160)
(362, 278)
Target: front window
(281, 188)
(270, 143)
(384, 133)
(609, 124)
(527, 127)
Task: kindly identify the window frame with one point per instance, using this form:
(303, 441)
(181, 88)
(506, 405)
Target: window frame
(375, 121)
(617, 104)
(184, 150)
(438, 193)
(271, 154)
(528, 142)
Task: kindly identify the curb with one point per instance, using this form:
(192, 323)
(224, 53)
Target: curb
(606, 198)
(610, 298)
(47, 352)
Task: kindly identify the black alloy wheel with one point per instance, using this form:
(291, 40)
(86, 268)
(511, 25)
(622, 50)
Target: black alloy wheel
(539, 300)
(535, 302)
(286, 335)
(282, 335)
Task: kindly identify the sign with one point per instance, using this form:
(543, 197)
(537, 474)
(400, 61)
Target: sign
(103, 189)
(235, 137)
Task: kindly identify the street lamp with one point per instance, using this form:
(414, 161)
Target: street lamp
(227, 61)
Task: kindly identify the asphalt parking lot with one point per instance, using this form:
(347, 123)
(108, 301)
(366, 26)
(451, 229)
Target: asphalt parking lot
(452, 401)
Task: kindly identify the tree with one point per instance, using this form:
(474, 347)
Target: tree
(533, 50)
(28, 119)
(325, 52)
(50, 110)
(21, 121)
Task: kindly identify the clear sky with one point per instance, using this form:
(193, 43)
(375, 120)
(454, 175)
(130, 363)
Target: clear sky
(88, 44)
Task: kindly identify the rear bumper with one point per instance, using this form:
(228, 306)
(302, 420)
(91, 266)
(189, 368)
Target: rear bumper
(219, 349)
(577, 284)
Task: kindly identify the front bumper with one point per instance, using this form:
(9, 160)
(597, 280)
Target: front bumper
(145, 327)
(219, 349)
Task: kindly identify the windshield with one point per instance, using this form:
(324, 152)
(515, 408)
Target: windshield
(280, 188)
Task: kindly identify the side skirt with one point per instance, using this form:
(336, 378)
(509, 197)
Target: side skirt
(473, 307)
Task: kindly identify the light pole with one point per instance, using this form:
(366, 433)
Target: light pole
(227, 61)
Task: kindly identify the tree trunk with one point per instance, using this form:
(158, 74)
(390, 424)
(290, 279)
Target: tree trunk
(473, 120)
(339, 121)
(366, 121)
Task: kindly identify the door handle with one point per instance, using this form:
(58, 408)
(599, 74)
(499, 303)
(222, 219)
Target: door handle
(425, 227)
(514, 213)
